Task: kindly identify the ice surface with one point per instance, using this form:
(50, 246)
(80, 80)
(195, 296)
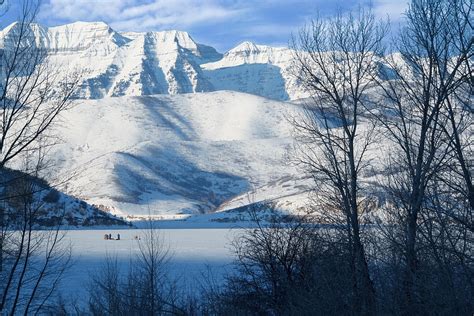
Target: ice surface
(192, 251)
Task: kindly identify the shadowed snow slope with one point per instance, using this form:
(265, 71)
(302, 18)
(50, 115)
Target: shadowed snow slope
(176, 154)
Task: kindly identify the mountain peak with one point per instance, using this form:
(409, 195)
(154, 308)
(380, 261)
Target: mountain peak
(172, 37)
(174, 40)
(14, 26)
(88, 24)
(30, 34)
(81, 35)
(10, 26)
(245, 46)
(81, 26)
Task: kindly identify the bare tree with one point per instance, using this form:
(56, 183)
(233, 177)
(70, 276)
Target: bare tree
(274, 264)
(33, 261)
(335, 60)
(33, 93)
(457, 106)
(418, 89)
(144, 288)
(153, 254)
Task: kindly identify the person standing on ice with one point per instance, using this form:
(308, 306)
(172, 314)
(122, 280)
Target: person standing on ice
(118, 236)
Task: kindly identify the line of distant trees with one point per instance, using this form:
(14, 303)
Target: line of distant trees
(387, 139)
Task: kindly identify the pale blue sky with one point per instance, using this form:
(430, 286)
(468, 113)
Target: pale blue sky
(219, 23)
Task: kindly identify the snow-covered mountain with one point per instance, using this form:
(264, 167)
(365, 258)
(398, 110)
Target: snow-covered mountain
(181, 154)
(168, 62)
(170, 126)
(256, 69)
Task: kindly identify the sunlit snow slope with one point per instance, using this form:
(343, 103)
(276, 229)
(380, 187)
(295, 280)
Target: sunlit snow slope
(185, 153)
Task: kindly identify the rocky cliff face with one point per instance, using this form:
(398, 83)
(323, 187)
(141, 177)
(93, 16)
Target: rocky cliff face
(168, 62)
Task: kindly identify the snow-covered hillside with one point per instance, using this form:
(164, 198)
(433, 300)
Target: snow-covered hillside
(167, 62)
(186, 153)
(166, 125)
(51, 206)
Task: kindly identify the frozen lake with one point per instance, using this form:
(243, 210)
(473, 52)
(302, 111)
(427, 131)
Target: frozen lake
(192, 251)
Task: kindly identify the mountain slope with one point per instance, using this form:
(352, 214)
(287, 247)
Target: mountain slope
(167, 62)
(51, 207)
(256, 69)
(177, 154)
(170, 126)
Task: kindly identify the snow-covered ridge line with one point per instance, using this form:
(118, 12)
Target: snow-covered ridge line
(166, 62)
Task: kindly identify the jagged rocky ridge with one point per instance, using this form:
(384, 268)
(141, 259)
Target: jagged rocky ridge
(167, 62)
